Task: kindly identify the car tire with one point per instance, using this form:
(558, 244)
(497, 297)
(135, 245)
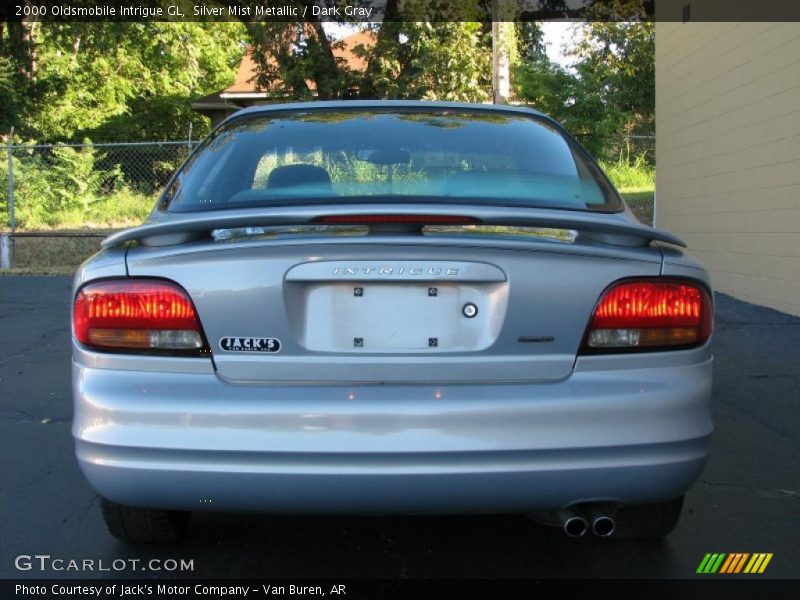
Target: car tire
(647, 521)
(144, 525)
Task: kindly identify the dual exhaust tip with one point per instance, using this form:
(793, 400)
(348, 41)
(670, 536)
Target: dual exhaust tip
(576, 523)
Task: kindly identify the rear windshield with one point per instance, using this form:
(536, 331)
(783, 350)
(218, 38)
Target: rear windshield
(338, 156)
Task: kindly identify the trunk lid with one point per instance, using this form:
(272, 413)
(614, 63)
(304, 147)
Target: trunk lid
(394, 309)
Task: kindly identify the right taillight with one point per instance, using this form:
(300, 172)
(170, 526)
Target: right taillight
(649, 315)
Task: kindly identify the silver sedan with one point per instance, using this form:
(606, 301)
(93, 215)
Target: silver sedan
(392, 308)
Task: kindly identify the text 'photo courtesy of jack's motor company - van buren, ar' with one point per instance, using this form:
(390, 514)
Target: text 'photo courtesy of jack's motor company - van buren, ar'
(198, 590)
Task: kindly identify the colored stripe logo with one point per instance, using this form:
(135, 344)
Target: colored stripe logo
(733, 563)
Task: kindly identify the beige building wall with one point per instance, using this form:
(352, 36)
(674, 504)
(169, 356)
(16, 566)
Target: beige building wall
(728, 152)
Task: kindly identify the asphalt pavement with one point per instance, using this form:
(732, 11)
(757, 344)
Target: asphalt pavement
(748, 499)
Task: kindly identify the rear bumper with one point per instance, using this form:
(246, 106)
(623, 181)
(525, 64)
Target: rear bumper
(191, 441)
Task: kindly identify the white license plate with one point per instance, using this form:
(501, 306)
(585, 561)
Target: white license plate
(396, 317)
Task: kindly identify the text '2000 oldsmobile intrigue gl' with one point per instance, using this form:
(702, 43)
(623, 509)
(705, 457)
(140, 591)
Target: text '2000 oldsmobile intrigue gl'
(392, 308)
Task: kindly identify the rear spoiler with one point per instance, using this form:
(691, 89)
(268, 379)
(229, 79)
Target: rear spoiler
(165, 229)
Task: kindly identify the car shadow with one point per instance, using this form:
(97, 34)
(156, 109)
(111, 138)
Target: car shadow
(335, 547)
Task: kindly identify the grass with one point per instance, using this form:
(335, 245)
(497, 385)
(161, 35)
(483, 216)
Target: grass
(117, 211)
(63, 255)
(113, 212)
(636, 176)
(636, 181)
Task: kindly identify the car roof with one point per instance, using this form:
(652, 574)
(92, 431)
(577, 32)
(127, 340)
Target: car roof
(383, 104)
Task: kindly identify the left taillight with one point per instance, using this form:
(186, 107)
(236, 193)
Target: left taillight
(145, 315)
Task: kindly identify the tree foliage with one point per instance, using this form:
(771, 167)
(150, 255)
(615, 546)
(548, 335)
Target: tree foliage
(421, 52)
(530, 42)
(135, 81)
(445, 61)
(610, 91)
(618, 59)
(116, 81)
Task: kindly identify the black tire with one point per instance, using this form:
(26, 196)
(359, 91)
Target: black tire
(144, 525)
(648, 521)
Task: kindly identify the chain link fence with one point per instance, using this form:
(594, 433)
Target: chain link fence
(59, 200)
(628, 148)
(46, 183)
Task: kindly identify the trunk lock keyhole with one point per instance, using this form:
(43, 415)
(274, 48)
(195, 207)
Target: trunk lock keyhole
(469, 310)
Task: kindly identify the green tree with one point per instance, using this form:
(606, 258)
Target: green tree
(296, 60)
(118, 80)
(8, 98)
(18, 63)
(424, 49)
(442, 61)
(433, 50)
(530, 41)
(610, 90)
(618, 59)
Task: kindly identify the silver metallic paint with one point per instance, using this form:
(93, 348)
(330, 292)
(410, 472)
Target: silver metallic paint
(630, 435)
(513, 427)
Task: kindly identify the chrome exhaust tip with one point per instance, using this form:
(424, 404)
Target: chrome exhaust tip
(575, 525)
(603, 526)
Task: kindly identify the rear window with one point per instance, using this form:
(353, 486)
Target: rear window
(337, 156)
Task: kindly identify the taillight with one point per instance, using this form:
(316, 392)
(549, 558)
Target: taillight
(651, 314)
(137, 314)
(380, 219)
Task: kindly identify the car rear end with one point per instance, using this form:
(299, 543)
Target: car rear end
(305, 350)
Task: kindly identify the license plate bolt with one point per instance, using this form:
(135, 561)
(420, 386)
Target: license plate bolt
(469, 310)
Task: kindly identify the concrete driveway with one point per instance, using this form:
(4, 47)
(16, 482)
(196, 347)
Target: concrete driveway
(748, 499)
